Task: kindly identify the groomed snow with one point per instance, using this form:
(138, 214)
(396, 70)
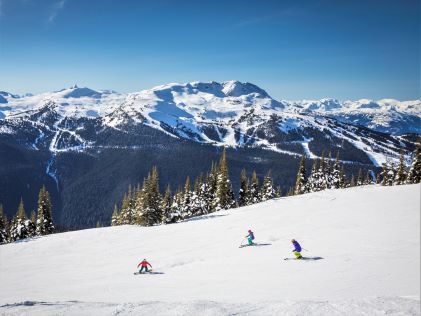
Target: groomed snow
(368, 237)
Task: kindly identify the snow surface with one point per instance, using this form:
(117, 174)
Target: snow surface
(368, 239)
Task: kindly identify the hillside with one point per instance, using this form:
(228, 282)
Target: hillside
(368, 239)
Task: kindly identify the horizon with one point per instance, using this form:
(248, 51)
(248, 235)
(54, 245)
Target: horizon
(77, 85)
(295, 51)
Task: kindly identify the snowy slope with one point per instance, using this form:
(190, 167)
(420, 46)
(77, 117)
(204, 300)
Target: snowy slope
(368, 237)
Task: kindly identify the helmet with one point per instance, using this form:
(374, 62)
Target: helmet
(249, 230)
(292, 240)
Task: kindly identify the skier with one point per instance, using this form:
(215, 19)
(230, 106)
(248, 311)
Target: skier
(250, 237)
(297, 249)
(144, 265)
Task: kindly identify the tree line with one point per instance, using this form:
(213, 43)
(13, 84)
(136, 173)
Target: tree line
(144, 205)
(210, 192)
(324, 175)
(21, 227)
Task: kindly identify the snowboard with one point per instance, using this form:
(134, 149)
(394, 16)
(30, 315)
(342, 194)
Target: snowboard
(149, 272)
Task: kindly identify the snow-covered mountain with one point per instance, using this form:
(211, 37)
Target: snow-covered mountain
(82, 142)
(224, 114)
(386, 115)
(364, 241)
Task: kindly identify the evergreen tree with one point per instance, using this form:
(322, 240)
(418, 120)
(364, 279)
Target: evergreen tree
(125, 216)
(337, 174)
(186, 207)
(224, 194)
(115, 217)
(391, 174)
(384, 173)
(3, 226)
(414, 174)
(243, 194)
(268, 192)
(175, 215)
(342, 178)
(211, 188)
(311, 181)
(254, 189)
(328, 173)
(152, 212)
(44, 223)
(166, 205)
(198, 197)
(360, 177)
(301, 181)
(352, 182)
(401, 174)
(20, 228)
(278, 192)
(368, 178)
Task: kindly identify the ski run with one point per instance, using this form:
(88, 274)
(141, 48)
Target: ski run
(364, 242)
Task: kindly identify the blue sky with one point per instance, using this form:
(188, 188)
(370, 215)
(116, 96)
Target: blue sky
(292, 49)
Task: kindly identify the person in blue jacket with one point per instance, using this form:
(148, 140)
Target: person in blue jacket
(297, 249)
(250, 237)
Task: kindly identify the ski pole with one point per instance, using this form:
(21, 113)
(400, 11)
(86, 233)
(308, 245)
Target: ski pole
(304, 249)
(242, 241)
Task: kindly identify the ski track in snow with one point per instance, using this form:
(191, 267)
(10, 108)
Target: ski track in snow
(369, 239)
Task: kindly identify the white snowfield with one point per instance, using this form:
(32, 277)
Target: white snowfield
(368, 239)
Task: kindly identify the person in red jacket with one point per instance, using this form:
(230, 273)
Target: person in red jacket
(144, 265)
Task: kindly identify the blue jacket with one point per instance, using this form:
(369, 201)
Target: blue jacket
(297, 246)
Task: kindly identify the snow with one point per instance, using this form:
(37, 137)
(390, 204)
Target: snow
(235, 107)
(368, 237)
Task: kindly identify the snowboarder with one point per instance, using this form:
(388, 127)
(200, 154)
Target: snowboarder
(250, 237)
(144, 265)
(297, 249)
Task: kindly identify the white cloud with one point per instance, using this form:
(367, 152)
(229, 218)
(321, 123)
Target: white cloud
(57, 7)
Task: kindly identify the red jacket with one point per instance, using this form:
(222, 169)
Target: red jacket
(144, 263)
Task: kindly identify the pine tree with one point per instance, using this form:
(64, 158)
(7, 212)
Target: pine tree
(115, 217)
(278, 192)
(243, 194)
(20, 228)
(328, 173)
(175, 215)
(224, 194)
(268, 192)
(401, 175)
(128, 208)
(32, 227)
(352, 182)
(211, 188)
(336, 181)
(311, 181)
(44, 224)
(3, 226)
(384, 173)
(152, 212)
(342, 178)
(360, 177)
(368, 178)
(254, 189)
(186, 207)
(414, 174)
(301, 181)
(124, 213)
(166, 205)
